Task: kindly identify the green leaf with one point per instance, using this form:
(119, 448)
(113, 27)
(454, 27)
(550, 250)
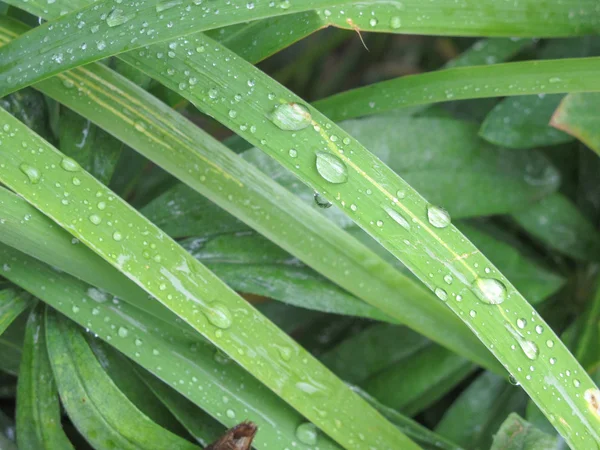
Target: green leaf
(99, 410)
(416, 431)
(428, 152)
(435, 252)
(578, 115)
(178, 145)
(28, 106)
(559, 224)
(11, 345)
(517, 78)
(360, 356)
(177, 347)
(479, 411)
(489, 51)
(38, 409)
(12, 304)
(419, 380)
(94, 149)
(199, 424)
(523, 122)
(516, 434)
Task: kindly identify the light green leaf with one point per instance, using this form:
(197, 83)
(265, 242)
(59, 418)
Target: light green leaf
(38, 409)
(516, 434)
(99, 410)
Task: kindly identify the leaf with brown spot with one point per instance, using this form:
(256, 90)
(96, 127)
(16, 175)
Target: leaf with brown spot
(237, 438)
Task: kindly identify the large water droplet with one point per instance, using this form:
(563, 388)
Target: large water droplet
(291, 117)
(32, 173)
(530, 349)
(441, 294)
(219, 315)
(118, 17)
(395, 22)
(70, 165)
(163, 6)
(307, 433)
(321, 201)
(397, 217)
(123, 332)
(331, 168)
(521, 323)
(438, 217)
(489, 290)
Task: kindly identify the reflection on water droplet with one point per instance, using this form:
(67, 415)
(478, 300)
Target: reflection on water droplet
(397, 217)
(521, 323)
(32, 173)
(95, 219)
(307, 433)
(489, 290)
(550, 343)
(448, 279)
(438, 217)
(331, 168)
(395, 22)
(512, 380)
(293, 153)
(529, 348)
(117, 236)
(321, 201)
(219, 315)
(441, 294)
(70, 165)
(230, 413)
(473, 313)
(118, 17)
(138, 342)
(539, 329)
(286, 353)
(123, 332)
(291, 117)
(576, 383)
(552, 361)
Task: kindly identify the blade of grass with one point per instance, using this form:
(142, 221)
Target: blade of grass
(163, 269)
(385, 206)
(99, 410)
(517, 434)
(170, 352)
(178, 145)
(12, 304)
(11, 345)
(38, 409)
(498, 80)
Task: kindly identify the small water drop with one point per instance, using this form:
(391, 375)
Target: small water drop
(473, 313)
(219, 315)
(400, 194)
(576, 383)
(331, 168)
(291, 117)
(550, 343)
(138, 342)
(230, 413)
(31, 172)
(512, 380)
(397, 217)
(307, 433)
(373, 22)
(163, 6)
(117, 236)
(448, 279)
(552, 361)
(213, 93)
(69, 164)
(441, 294)
(285, 353)
(438, 217)
(489, 290)
(395, 22)
(293, 153)
(539, 329)
(95, 219)
(118, 17)
(75, 309)
(521, 323)
(321, 201)
(123, 332)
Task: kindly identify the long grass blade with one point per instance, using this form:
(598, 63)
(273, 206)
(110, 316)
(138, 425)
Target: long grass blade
(12, 304)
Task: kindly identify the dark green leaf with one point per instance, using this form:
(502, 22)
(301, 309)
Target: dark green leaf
(517, 434)
(12, 303)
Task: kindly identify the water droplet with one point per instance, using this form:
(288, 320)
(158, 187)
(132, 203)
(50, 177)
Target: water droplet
(550, 343)
(400, 194)
(438, 217)
(117, 236)
(118, 17)
(285, 353)
(539, 329)
(219, 315)
(448, 279)
(293, 153)
(552, 361)
(68, 83)
(441, 294)
(373, 22)
(395, 22)
(138, 342)
(75, 309)
(529, 348)
(95, 219)
(307, 433)
(232, 113)
(512, 380)
(70, 165)
(489, 290)
(213, 93)
(101, 206)
(32, 173)
(397, 217)
(331, 168)
(521, 323)
(123, 332)
(76, 181)
(221, 357)
(473, 313)
(291, 117)
(592, 397)
(163, 6)
(321, 201)
(576, 383)
(230, 413)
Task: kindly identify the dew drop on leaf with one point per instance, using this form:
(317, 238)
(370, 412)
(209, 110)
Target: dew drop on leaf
(529, 348)
(521, 323)
(397, 217)
(291, 117)
(219, 315)
(395, 22)
(307, 433)
(118, 17)
(321, 201)
(32, 173)
(123, 332)
(438, 217)
(489, 290)
(441, 294)
(70, 165)
(331, 168)
(95, 219)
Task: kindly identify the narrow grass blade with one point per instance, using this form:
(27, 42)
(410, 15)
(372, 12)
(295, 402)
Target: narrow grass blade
(163, 269)
(468, 17)
(11, 345)
(578, 115)
(516, 434)
(178, 145)
(199, 424)
(489, 51)
(559, 224)
(102, 29)
(12, 304)
(522, 122)
(385, 206)
(498, 80)
(38, 409)
(170, 352)
(99, 410)
(479, 411)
